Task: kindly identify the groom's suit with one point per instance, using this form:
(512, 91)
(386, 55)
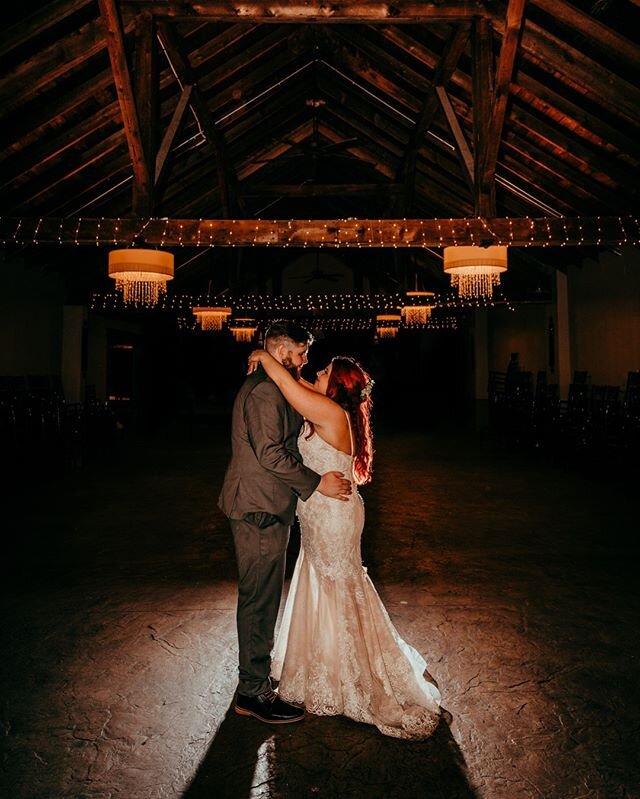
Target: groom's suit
(264, 479)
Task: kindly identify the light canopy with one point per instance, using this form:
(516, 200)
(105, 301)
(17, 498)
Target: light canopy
(475, 271)
(141, 275)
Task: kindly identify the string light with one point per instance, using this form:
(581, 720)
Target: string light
(211, 317)
(340, 233)
(418, 307)
(268, 306)
(243, 330)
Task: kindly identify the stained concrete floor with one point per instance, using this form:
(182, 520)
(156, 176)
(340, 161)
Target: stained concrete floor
(514, 576)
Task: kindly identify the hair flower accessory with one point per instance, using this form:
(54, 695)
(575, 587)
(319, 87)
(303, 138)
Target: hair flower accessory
(367, 389)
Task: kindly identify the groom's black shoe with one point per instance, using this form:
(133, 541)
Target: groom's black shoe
(268, 707)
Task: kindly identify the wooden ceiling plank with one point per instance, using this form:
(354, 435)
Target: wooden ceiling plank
(547, 179)
(244, 57)
(576, 120)
(563, 165)
(33, 191)
(28, 164)
(512, 31)
(316, 11)
(124, 89)
(38, 22)
(30, 126)
(576, 70)
(586, 160)
(565, 114)
(30, 78)
(604, 38)
(387, 233)
(435, 165)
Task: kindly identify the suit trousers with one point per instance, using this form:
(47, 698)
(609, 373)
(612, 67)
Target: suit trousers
(261, 556)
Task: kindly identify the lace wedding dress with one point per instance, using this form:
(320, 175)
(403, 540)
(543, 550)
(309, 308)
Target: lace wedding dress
(337, 651)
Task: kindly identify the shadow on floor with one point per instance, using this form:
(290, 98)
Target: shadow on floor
(327, 757)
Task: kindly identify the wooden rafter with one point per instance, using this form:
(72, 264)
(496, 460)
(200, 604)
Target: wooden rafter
(482, 78)
(463, 150)
(375, 233)
(146, 94)
(504, 72)
(124, 89)
(444, 71)
(171, 132)
(180, 62)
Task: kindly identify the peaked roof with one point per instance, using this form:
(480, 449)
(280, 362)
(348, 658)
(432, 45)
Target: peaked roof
(286, 110)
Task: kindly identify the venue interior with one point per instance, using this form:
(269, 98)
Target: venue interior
(446, 191)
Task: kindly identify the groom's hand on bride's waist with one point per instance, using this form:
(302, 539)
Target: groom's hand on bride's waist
(335, 485)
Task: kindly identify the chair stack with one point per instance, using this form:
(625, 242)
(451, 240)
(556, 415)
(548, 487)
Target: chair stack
(41, 433)
(593, 418)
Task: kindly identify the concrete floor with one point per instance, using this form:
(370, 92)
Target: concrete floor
(515, 578)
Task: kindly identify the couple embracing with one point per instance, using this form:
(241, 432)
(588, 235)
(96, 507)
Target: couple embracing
(302, 448)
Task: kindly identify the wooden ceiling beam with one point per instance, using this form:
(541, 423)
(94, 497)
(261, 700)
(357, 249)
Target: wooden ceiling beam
(445, 69)
(508, 51)
(484, 199)
(171, 132)
(142, 183)
(403, 233)
(463, 151)
(226, 175)
(368, 12)
(146, 82)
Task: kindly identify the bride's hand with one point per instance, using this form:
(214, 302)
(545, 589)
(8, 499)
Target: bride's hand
(254, 359)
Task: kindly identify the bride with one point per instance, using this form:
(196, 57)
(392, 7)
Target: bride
(337, 651)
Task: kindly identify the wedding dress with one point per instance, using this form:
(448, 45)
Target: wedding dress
(337, 651)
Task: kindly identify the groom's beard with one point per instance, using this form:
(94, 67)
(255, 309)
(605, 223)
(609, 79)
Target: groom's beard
(293, 370)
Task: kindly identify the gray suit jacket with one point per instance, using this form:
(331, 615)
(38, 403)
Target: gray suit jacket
(266, 473)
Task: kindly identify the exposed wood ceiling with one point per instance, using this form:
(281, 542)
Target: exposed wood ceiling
(305, 110)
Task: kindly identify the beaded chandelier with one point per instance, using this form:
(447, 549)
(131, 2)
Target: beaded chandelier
(141, 275)
(475, 271)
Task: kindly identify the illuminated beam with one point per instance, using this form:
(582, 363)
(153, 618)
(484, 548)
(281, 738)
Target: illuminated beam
(404, 233)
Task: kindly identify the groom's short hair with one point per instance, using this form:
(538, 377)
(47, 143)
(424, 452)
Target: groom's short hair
(286, 330)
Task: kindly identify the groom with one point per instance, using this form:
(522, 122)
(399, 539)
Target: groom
(264, 480)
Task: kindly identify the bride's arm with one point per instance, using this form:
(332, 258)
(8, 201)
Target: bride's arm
(313, 405)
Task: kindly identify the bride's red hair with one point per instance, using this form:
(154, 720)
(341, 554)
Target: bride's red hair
(350, 386)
